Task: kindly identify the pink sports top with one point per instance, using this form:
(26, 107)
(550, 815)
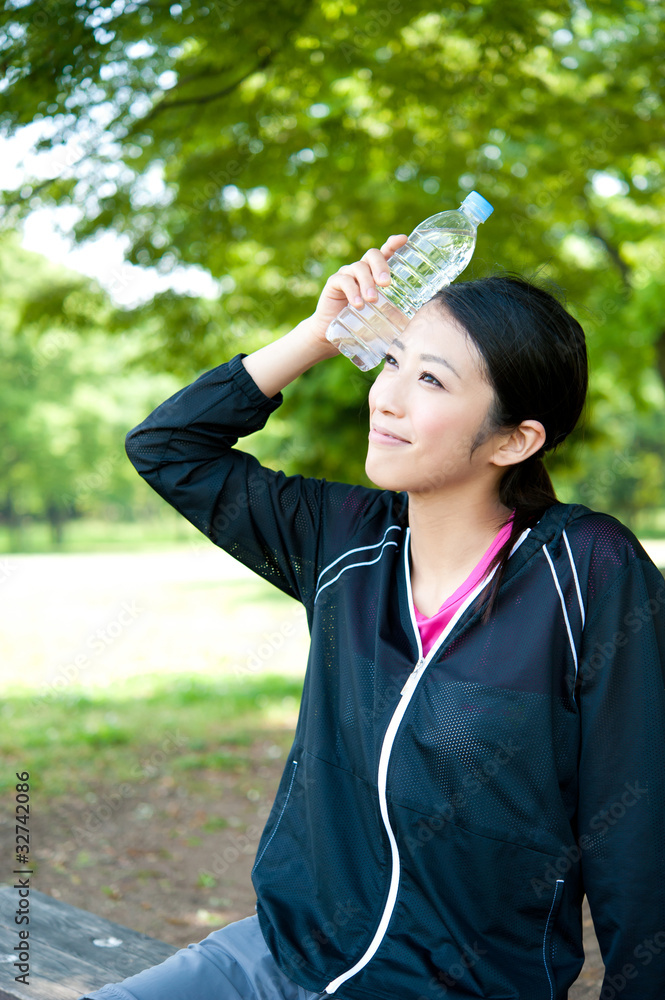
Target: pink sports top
(431, 628)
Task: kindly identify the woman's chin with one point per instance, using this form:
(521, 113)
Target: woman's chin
(381, 477)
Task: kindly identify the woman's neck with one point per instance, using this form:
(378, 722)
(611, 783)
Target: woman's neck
(449, 539)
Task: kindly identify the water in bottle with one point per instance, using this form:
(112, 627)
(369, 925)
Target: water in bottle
(436, 252)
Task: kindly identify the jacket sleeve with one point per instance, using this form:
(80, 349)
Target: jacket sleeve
(184, 449)
(621, 808)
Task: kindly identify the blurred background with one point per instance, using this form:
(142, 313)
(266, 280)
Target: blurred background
(177, 183)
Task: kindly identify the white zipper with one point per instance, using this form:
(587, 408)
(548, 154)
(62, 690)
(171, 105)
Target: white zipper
(388, 740)
(386, 749)
(413, 678)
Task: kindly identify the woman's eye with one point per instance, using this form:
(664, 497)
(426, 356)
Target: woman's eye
(389, 360)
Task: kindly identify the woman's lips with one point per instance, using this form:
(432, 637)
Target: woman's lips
(379, 437)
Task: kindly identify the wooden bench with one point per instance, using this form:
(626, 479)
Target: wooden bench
(71, 951)
(74, 952)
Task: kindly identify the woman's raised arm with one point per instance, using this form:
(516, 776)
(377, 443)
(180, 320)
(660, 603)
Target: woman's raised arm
(272, 367)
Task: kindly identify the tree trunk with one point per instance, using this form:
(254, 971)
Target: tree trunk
(56, 519)
(14, 522)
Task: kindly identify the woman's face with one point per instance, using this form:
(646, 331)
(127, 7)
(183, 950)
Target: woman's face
(437, 403)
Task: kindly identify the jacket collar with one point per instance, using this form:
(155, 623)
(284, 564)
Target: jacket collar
(548, 531)
(550, 528)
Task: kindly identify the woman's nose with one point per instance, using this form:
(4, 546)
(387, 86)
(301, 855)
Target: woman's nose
(386, 396)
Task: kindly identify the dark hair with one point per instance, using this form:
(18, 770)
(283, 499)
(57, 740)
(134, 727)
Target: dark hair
(535, 358)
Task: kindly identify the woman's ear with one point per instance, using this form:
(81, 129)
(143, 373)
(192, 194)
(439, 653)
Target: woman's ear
(520, 443)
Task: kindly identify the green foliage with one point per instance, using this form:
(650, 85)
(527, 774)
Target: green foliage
(65, 405)
(272, 142)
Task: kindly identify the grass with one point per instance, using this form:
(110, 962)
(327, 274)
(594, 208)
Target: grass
(98, 535)
(146, 726)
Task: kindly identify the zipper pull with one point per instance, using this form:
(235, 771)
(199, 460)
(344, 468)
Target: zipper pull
(412, 679)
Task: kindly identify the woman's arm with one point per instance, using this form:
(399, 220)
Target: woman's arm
(275, 365)
(272, 367)
(185, 449)
(621, 818)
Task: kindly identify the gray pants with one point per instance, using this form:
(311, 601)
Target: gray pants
(232, 963)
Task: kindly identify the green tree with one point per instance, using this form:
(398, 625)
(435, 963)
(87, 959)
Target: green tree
(65, 402)
(272, 142)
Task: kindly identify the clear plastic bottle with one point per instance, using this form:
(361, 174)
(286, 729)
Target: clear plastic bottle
(436, 252)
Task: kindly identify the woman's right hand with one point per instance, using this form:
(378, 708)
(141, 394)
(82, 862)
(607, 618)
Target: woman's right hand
(354, 284)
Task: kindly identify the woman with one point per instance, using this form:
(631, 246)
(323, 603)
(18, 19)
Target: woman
(481, 734)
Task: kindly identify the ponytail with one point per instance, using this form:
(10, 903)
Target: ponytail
(527, 489)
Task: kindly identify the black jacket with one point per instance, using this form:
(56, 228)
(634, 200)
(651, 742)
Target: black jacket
(439, 820)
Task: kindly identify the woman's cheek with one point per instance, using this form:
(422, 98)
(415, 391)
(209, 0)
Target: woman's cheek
(431, 424)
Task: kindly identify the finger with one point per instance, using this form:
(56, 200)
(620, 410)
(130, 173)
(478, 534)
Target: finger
(393, 243)
(377, 262)
(345, 282)
(364, 274)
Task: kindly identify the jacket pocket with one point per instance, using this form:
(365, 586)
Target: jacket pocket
(490, 925)
(548, 942)
(322, 869)
(287, 796)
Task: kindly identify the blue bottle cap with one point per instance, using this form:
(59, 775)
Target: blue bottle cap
(479, 205)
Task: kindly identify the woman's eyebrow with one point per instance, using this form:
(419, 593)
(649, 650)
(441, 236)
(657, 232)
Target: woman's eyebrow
(431, 357)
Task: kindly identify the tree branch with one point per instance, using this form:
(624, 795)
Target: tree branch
(36, 189)
(659, 344)
(205, 98)
(614, 254)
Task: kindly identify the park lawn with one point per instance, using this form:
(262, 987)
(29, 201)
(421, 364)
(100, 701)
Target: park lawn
(92, 534)
(147, 805)
(147, 725)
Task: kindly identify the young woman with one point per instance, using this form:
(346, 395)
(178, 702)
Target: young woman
(482, 729)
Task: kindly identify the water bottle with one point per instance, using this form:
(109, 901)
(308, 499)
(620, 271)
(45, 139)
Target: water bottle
(436, 252)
